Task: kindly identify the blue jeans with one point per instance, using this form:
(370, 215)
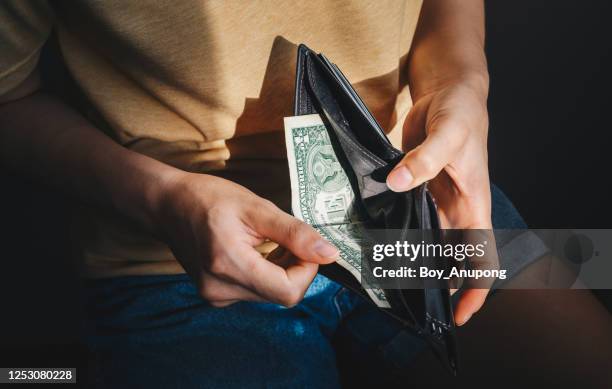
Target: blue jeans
(156, 332)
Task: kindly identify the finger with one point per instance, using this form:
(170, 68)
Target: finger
(488, 261)
(270, 281)
(293, 234)
(215, 290)
(301, 275)
(287, 287)
(476, 291)
(470, 302)
(223, 304)
(440, 147)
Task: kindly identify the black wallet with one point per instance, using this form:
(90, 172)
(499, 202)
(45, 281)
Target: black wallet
(368, 156)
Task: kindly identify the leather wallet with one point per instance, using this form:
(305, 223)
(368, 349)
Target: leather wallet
(368, 156)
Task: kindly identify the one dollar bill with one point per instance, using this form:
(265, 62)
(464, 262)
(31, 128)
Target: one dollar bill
(321, 194)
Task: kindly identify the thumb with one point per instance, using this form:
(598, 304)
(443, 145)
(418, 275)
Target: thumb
(440, 147)
(295, 235)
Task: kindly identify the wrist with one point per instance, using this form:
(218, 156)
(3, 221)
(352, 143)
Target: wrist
(142, 189)
(477, 81)
(474, 80)
(158, 194)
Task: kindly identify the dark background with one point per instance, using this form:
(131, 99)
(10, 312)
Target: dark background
(549, 108)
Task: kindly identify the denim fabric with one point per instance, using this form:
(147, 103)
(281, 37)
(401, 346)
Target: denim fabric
(156, 332)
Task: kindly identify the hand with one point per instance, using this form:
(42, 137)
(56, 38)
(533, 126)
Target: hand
(212, 226)
(445, 135)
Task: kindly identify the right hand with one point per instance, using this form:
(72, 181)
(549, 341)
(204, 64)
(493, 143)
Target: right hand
(212, 226)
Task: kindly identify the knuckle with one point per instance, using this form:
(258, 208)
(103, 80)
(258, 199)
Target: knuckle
(292, 296)
(262, 210)
(268, 205)
(263, 207)
(427, 164)
(292, 231)
(296, 230)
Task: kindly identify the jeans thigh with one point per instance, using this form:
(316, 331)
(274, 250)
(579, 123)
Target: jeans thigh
(156, 332)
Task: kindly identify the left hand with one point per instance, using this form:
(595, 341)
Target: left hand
(445, 135)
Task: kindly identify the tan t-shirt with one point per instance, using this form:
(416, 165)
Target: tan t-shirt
(204, 86)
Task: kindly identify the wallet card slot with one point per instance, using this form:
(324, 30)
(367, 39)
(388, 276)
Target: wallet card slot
(349, 90)
(362, 124)
(362, 161)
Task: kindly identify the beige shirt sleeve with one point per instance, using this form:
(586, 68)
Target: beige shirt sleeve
(25, 25)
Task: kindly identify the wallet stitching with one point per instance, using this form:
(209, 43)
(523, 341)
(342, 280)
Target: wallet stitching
(306, 103)
(301, 95)
(442, 324)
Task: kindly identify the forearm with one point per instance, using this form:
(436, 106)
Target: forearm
(449, 46)
(42, 137)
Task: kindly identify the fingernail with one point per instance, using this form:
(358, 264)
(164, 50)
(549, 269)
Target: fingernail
(400, 179)
(325, 249)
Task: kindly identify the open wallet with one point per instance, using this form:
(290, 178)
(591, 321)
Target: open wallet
(368, 156)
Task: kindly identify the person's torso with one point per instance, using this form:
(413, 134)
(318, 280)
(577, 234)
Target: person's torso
(204, 86)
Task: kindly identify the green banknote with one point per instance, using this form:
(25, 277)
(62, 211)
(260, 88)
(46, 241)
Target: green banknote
(321, 194)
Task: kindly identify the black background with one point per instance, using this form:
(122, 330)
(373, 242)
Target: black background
(549, 107)
(549, 148)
